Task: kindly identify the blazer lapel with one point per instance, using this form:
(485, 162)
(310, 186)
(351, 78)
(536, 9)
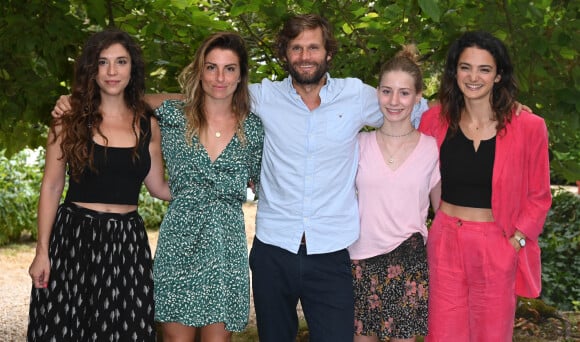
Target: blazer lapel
(503, 147)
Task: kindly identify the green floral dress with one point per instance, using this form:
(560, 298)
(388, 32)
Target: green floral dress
(201, 273)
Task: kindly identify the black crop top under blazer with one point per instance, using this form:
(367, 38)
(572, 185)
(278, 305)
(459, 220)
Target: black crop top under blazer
(466, 174)
(118, 178)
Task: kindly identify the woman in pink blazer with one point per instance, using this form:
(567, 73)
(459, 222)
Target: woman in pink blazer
(495, 176)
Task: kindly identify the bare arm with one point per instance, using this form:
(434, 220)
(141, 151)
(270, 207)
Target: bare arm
(50, 193)
(155, 100)
(435, 196)
(155, 181)
(61, 106)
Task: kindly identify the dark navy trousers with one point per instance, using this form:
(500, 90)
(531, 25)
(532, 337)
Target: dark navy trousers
(322, 283)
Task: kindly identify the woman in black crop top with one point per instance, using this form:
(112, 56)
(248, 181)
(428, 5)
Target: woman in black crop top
(483, 244)
(92, 273)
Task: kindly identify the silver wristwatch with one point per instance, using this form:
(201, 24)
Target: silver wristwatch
(521, 241)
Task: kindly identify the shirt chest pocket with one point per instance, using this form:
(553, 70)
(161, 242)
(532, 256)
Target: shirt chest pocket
(339, 128)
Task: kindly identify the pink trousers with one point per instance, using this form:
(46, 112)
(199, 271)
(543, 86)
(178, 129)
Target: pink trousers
(472, 271)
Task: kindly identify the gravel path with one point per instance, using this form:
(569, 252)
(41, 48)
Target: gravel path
(15, 283)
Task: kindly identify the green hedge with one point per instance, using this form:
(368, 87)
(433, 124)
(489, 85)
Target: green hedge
(19, 186)
(560, 245)
(20, 178)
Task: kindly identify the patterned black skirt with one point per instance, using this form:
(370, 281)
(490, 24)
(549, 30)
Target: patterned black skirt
(101, 281)
(391, 292)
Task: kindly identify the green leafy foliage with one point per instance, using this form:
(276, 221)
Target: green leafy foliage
(40, 39)
(565, 151)
(20, 179)
(560, 245)
(36, 39)
(151, 209)
(20, 183)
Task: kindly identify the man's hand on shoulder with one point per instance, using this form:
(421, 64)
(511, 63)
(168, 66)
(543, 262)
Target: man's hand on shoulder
(62, 106)
(520, 106)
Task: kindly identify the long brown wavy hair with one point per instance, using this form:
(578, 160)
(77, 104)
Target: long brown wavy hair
(84, 119)
(190, 81)
(504, 92)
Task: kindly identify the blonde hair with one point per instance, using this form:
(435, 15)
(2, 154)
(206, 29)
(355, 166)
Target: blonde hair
(405, 60)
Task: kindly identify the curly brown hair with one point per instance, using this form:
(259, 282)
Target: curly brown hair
(83, 121)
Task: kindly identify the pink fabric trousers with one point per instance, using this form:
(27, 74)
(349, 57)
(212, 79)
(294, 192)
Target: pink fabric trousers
(472, 269)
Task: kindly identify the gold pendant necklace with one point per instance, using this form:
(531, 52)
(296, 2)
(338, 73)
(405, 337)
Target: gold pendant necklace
(391, 158)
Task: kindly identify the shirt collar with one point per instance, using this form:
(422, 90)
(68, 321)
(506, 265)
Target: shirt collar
(324, 91)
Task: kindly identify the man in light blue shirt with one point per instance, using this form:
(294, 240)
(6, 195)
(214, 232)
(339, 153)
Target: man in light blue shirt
(310, 162)
(307, 210)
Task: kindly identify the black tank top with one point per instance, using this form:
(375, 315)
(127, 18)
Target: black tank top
(466, 174)
(118, 178)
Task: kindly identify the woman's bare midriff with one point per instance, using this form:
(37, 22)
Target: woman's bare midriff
(467, 213)
(108, 208)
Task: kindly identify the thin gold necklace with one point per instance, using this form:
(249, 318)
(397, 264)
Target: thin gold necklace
(391, 158)
(397, 136)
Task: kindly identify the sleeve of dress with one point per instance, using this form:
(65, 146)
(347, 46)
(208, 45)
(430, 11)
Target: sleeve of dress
(160, 111)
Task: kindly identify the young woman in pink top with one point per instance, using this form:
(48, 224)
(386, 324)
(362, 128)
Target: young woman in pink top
(397, 173)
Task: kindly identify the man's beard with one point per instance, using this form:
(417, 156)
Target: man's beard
(314, 78)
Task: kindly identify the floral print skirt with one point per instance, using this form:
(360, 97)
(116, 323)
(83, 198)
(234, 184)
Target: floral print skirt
(391, 292)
